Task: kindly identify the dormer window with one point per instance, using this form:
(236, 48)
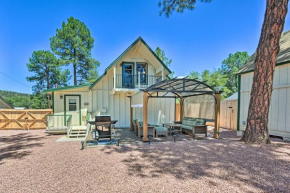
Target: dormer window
(142, 72)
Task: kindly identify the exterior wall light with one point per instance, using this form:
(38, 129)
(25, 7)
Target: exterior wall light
(61, 97)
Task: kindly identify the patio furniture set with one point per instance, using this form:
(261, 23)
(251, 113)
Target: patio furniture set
(187, 125)
(101, 130)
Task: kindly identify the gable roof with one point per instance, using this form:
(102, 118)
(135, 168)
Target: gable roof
(282, 57)
(126, 51)
(5, 102)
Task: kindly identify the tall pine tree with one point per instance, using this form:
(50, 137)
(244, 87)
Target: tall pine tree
(73, 44)
(47, 72)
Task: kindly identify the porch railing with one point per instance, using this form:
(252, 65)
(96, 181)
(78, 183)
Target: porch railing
(132, 81)
(58, 123)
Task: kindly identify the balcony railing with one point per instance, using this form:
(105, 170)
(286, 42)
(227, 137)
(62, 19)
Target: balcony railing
(132, 81)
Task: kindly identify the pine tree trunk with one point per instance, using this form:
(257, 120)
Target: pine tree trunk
(257, 130)
(75, 74)
(48, 87)
(75, 68)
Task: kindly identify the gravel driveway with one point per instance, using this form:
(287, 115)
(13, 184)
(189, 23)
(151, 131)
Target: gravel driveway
(31, 161)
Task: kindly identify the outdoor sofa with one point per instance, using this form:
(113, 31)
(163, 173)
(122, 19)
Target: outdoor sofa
(194, 126)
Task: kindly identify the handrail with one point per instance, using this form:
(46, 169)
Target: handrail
(68, 123)
(53, 115)
(88, 136)
(88, 116)
(58, 121)
(132, 81)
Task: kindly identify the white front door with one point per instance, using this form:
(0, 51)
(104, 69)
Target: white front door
(73, 108)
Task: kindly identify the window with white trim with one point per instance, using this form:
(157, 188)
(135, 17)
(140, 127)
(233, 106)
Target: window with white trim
(72, 105)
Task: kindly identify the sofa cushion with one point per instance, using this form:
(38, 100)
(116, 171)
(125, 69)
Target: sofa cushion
(161, 129)
(153, 125)
(199, 122)
(140, 122)
(186, 127)
(188, 121)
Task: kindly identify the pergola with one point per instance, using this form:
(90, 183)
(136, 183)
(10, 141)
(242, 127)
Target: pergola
(179, 88)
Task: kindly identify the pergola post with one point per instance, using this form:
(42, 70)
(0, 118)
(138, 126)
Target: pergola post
(131, 114)
(217, 115)
(181, 109)
(145, 116)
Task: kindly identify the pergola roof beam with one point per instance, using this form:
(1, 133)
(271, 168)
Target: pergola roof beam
(170, 84)
(178, 83)
(181, 91)
(181, 87)
(189, 85)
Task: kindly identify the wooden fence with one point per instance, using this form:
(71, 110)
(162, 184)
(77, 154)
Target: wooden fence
(228, 112)
(23, 119)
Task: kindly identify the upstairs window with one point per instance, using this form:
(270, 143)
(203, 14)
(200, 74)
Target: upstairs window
(142, 69)
(128, 75)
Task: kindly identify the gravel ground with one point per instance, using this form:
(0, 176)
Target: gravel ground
(31, 161)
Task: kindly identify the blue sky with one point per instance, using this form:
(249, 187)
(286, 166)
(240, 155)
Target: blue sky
(195, 40)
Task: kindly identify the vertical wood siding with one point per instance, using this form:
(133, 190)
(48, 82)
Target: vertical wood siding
(160, 110)
(279, 122)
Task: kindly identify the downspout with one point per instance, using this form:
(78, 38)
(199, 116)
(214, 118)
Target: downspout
(52, 102)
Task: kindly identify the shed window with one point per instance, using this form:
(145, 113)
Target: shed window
(72, 105)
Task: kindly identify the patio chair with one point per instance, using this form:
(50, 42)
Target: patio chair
(135, 129)
(103, 126)
(151, 130)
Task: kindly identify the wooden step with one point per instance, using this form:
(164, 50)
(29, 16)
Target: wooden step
(74, 131)
(79, 129)
(77, 135)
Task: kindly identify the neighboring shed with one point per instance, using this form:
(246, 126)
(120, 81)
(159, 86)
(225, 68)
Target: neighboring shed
(232, 97)
(4, 104)
(279, 125)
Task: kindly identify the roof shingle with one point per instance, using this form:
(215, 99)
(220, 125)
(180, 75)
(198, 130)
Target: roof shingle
(282, 57)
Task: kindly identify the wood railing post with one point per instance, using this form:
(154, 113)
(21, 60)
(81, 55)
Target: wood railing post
(139, 79)
(181, 109)
(145, 116)
(131, 114)
(217, 116)
(115, 77)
